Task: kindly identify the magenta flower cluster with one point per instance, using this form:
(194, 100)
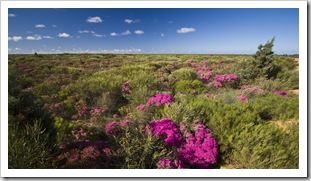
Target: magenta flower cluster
(81, 151)
(199, 149)
(246, 89)
(110, 127)
(142, 107)
(96, 110)
(169, 164)
(205, 74)
(242, 98)
(189, 62)
(280, 92)
(125, 87)
(225, 77)
(160, 99)
(82, 111)
(220, 79)
(168, 129)
(156, 100)
(79, 134)
(114, 127)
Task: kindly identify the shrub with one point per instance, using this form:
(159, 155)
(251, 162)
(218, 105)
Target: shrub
(187, 87)
(84, 154)
(31, 146)
(264, 147)
(63, 128)
(183, 74)
(274, 106)
(199, 149)
(264, 60)
(133, 147)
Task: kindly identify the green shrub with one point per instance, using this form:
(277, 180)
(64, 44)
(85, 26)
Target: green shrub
(265, 147)
(286, 63)
(275, 106)
(188, 86)
(143, 86)
(30, 146)
(229, 96)
(271, 85)
(63, 128)
(291, 77)
(135, 149)
(183, 74)
(178, 112)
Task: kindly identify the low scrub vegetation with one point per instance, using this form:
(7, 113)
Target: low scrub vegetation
(153, 111)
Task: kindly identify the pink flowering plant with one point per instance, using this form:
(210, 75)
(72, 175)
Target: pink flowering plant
(194, 149)
(156, 101)
(279, 92)
(125, 87)
(225, 79)
(167, 129)
(251, 90)
(83, 154)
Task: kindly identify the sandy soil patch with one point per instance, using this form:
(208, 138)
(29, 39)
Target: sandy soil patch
(285, 125)
(295, 91)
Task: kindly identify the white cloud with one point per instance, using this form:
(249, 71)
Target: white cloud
(98, 35)
(64, 35)
(185, 30)
(47, 37)
(54, 26)
(129, 21)
(40, 26)
(15, 38)
(162, 34)
(95, 19)
(77, 36)
(113, 34)
(12, 15)
(83, 31)
(127, 32)
(138, 32)
(36, 37)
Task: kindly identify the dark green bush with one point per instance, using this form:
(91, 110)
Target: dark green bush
(31, 146)
(32, 137)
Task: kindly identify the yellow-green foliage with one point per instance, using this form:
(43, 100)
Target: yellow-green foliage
(63, 128)
(188, 86)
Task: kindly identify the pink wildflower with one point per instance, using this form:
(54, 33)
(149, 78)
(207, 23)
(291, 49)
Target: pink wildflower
(125, 122)
(242, 98)
(83, 110)
(110, 127)
(281, 92)
(141, 107)
(160, 99)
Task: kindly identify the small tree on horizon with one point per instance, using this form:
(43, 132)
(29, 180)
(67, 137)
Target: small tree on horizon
(264, 60)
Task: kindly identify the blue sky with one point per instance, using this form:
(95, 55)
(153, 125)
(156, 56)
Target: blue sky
(168, 30)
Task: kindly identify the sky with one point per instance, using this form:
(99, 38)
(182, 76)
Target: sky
(152, 30)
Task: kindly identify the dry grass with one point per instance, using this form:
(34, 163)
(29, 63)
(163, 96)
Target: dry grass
(295, 91)
(284, 125)
(297, 61)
